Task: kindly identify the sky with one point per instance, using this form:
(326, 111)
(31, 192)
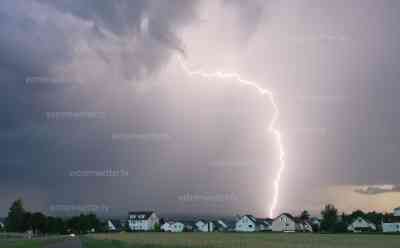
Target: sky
(98, 114)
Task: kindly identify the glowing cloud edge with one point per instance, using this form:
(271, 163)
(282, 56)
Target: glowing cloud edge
(272, 124)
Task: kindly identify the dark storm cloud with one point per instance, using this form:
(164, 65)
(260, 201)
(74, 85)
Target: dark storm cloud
(187, 141)
(40, 38)
(249, 15)
(375, 190)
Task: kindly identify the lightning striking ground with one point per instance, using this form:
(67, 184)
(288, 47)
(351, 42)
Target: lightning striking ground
(272, 124)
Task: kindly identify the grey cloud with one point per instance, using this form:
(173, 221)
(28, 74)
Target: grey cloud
(249, 14)
(375, 190)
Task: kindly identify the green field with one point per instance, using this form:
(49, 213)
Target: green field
(15, 241)
(237, 240)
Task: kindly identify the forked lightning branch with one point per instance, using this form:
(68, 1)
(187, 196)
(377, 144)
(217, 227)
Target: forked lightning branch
(272, 124)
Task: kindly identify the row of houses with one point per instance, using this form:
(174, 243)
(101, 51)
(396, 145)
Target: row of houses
(391, 225)
(147, 221)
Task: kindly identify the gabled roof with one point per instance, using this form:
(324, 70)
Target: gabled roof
(286, 214)
(295, 219)
(143, 215)
(364, 219)
(258, 221)
(269, 220)
(218, 225)
(263, 222)
(251, 217)
(202, 220)
(116, 223)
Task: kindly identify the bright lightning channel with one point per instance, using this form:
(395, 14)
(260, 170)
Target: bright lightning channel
(272, 124)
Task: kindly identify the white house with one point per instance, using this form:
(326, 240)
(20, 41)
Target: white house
(172, 226)
(264, 224)
(392, 225)
(1, 225)
(287, 223)
(361, 225)
(248, 223)
(142, 221)
(205, 226)
(305, 226)
(284, 223)
(220, 226)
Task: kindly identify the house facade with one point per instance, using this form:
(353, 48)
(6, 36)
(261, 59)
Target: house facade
(287, 223)
(172, 226)
(248, 223)
(205, 226)
(220, 226)
(142, 221)
(392, 224)
(284, 223)
(361, 225)
(305, 226)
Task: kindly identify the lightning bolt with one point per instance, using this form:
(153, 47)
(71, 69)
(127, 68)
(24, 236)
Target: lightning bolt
(272, 124)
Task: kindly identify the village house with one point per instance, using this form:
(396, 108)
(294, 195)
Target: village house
(360, 224)
(248, 223)
(220, 226)
(392, 224)
(142, 221)
(205, 226)
(287, 223)
(172, 226)
(305, 226)
(189, 225)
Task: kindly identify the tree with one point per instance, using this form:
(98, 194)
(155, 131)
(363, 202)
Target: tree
(157, 227)
(376, 218)
(356, 214)
(55, 225)
(39, 223)
(329, 218)
(305, 215)
(27, 223)
(15, 218)
(84, 223)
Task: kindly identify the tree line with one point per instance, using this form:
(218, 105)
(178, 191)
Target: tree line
(334, 222)
(21, 220)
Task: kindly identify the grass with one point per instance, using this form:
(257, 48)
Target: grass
(25, 243)
(17, 241)
(239, 240)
